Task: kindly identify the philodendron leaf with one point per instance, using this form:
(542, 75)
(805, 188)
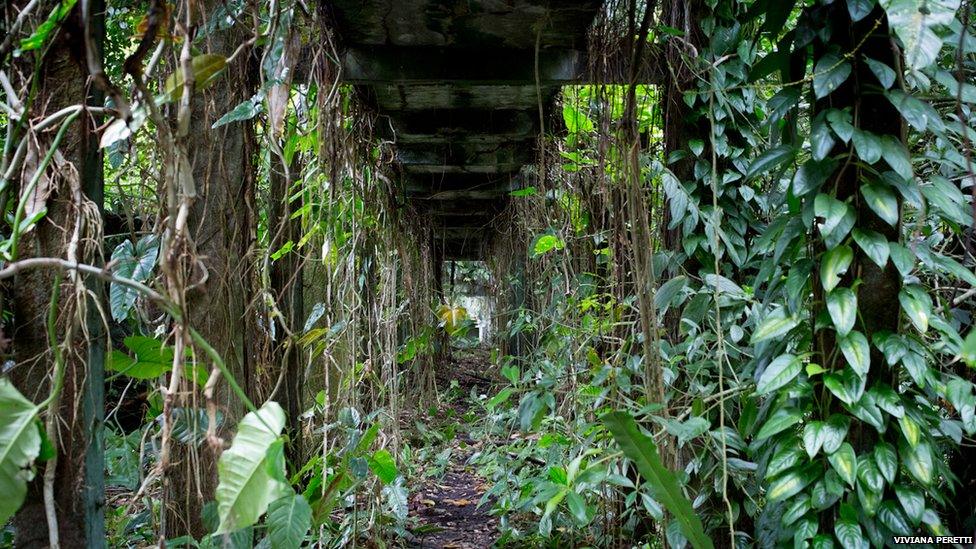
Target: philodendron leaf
(289, 519)
(640, 449)
(857, 351)
(834, 264)
(875, 245)
(838, 219)
(774, 325)
(844, 461)
(831, 71)
(882, 200)
(842, 306)
(913, 22)
(917, 305)
(135, 263)
(249, 475)
(782, 419)
(20, 444)
(778, 373)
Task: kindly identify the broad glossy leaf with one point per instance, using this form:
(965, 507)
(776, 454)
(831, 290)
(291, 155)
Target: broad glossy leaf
(849, 534)
(248, 480)
(831, 71)
(838, 219)
(842, 306)
(643, 452)
(770, 160)
(892, 516)
(778, 373)
(896, 155)
(882, 201)
(857, 351)
(135, 263)
(868, 474)
(884, 73)
(834, 264)
(774, 325)
(790, 484)
(911, 430)
(868, 146)
(917, 305)
(859, 9)
(846, 385)
(912, 502)
(782, 419)
(785, 458)
(913, 22)
(289, 519)
(844, 461)
(834, 432)
(20, 444)
(886, 459)
(821, 140)
(874, 245)
(918, 461)
(813, 437)
(383, 465)
(811, 175)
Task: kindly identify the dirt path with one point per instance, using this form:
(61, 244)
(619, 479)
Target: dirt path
(446, 507)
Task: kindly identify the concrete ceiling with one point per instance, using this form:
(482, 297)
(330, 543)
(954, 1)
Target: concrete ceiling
(455, 84)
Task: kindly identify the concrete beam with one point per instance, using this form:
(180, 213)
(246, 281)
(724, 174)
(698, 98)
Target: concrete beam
(466, 155)
(458, 125)
(375, 65)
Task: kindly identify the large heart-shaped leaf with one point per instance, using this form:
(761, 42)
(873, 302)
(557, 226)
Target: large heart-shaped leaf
(913, 22)
(842, 306)
(134, 262)
(834, 264)
(289, 519)
(20, 444)
(250, 476)
(780, 371)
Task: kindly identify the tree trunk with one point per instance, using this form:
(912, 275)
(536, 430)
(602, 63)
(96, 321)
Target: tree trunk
(221, 224)
(74, 184)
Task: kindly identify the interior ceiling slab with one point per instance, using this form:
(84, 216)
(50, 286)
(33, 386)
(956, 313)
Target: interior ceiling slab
(458, 85)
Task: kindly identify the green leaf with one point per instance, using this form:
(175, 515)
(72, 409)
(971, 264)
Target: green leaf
(785, 458)
(289, 519)
(838, 218)
(44, 31)
(882, 201)
(206, 67)
(918, 461)
(913, 22)
(770, 159)
(790, 484)
(20, 444)
(528, 191)
(874, 245)
(835, 430)
(813, 437)
(849, 534)
(896, 155)
(811, 175)
(782, 419)
(868, 146)
(844, 461)
(859, 9)
(834, 264)
(917, 305)
(383, 465)
(774, 325)
(892, 516)
(248, 480)
(778, 373)
(912, 501)
(857, 351)
(546, 243)
(831, 71)
(840, 122)
(821, 140)
(885, 74)
(846, 385)
(577, 507)
(640, 449)
(887, 460)
(133, 262)
(246, 110)
(842, 306)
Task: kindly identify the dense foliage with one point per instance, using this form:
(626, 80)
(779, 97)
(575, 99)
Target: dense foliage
(731, 307)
